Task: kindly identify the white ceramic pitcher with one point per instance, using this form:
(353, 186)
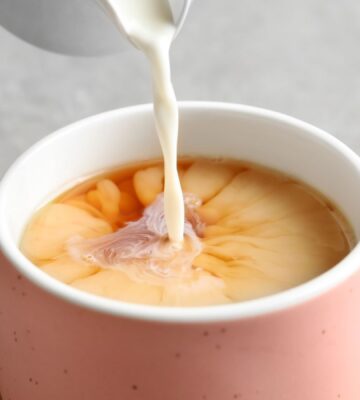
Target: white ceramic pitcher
(75, 27)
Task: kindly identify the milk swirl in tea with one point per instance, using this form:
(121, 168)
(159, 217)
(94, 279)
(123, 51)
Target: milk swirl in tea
(250, 232)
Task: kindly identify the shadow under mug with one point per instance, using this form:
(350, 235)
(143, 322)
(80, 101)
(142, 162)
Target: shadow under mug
(59, 343)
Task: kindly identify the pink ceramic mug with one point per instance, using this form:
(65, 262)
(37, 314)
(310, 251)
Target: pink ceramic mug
(59, 343)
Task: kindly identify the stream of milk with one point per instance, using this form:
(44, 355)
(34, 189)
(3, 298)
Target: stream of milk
(150, 26)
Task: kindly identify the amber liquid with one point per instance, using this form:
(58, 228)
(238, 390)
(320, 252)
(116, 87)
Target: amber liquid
(263, 232)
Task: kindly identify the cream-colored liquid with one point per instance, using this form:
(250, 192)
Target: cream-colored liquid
(149, 25)
(260, 233)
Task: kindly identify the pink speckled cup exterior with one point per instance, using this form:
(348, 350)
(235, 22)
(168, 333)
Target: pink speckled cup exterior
(59, 343)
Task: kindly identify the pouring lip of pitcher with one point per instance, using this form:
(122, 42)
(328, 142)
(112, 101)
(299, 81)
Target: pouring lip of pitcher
(281, 301)
(178, 23)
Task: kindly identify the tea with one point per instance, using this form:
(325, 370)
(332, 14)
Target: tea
(249, 232)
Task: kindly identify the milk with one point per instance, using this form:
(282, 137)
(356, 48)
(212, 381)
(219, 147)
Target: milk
(150, 26)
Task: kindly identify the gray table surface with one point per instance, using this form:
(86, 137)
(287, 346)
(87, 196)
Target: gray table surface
(297, 57)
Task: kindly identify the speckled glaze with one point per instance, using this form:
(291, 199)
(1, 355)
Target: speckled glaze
(57, 343)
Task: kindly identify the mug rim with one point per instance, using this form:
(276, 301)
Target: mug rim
(277, 302)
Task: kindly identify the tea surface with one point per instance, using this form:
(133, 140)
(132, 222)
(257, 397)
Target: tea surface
(251, 232)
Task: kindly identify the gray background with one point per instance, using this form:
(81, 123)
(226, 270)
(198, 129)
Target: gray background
(298, 57)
